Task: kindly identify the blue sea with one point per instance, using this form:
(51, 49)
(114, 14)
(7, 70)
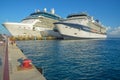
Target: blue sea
(75, 59)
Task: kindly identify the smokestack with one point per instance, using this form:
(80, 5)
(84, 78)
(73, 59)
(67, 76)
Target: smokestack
(37, 10)
(52, 11)
(45, 10)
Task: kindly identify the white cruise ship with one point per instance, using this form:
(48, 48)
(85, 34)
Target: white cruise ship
(80, 26)
(38, 24)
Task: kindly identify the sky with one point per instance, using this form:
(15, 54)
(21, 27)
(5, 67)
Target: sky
(106, 11)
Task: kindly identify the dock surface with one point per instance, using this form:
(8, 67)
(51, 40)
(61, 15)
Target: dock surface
(12, 69)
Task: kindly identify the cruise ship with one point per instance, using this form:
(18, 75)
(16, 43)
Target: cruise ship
(80, 26)
(38, 24)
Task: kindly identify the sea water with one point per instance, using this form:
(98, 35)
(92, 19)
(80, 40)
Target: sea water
(75, 59)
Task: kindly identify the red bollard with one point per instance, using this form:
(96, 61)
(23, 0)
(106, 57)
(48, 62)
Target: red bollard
(26, 63)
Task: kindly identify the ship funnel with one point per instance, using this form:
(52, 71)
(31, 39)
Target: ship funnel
(37, 10)
(92, 19)
(45, 10)
(52, 11)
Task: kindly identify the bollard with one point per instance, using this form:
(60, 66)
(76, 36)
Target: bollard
(27, 63)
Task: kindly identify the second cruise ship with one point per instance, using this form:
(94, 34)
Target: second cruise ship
(80, 26)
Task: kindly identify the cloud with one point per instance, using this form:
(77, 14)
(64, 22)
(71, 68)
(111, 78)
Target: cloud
(113, 32)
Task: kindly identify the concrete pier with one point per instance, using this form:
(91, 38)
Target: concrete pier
(12, 65)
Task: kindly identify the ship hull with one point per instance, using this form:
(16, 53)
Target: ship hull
(26, 30)
(74, 33)
(18, 29)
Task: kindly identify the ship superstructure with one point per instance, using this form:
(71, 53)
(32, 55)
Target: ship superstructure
(81, 25)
